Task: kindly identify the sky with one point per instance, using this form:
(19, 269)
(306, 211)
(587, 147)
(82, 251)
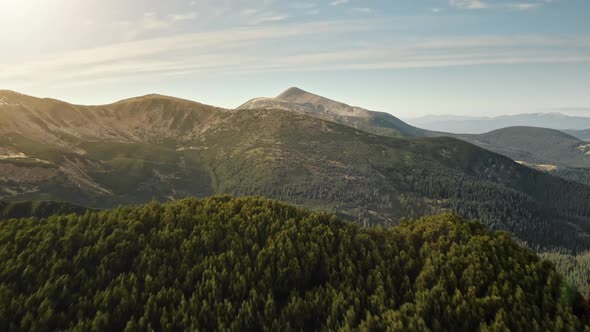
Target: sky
(406, 57)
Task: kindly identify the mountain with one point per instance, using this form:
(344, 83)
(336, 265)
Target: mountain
(479, 125)
(252, 264)
(53, 150)
(165, 148)
(298, 100)
(533, 145)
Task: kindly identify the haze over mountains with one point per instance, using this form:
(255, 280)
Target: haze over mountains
(367, 166)
(479, 125)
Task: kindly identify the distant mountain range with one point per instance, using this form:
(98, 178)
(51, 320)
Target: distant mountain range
(366, 166)
(479, 125)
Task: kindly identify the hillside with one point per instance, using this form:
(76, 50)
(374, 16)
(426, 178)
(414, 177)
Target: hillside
(535, 146)
(369, 179)
(254, 264)
(480, 125)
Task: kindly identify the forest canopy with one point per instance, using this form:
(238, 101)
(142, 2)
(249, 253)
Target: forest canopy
(256, 264)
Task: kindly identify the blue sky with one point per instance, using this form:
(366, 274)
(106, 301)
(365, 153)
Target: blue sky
(406, 57)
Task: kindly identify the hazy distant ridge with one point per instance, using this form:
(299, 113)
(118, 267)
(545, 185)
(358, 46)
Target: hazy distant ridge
(478, 125)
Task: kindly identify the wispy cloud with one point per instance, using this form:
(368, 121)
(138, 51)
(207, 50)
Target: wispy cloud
(524, 6)
(498, 4)
(252, 16)
(362, 10)
(180, 50)
(183, 17)
(469, 4)
(308, 8)
(339, 2)
(253, 49)
(269, 17)
(151, 21)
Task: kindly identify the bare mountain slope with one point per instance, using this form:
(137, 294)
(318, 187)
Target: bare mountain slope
(142, 119)
(295, 99)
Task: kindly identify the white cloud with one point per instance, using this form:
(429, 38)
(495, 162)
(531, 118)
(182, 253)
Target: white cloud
(524, 6)
(269, 18)
(339, 2)
(303, 5)
(469, 4)
(183, 17)
(250, 11)
(487, 4)
(151, 21)
(363, 10)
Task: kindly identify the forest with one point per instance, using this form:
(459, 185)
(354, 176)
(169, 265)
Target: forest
(251, 263)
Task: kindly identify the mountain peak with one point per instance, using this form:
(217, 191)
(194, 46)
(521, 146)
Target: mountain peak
(300, 96)
(293, 92)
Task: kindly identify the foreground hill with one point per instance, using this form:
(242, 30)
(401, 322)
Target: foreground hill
(255, 264)
(201, 150)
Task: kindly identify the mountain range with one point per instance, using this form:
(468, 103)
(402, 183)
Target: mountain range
(479, 125)
(366, 166)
